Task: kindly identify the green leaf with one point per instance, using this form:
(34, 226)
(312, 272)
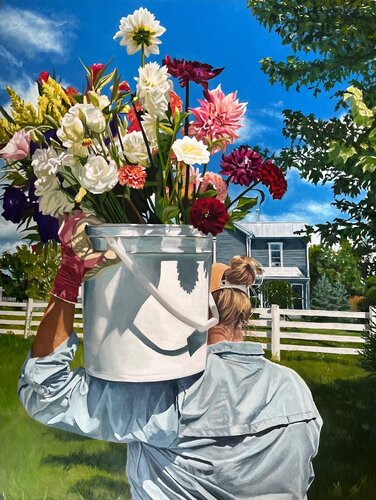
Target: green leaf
(105, 80)
(6, 115)
(169, 213)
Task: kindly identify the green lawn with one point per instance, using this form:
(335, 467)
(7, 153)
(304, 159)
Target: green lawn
(39, 463)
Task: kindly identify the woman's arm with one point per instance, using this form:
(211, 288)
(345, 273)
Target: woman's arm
(55, 327)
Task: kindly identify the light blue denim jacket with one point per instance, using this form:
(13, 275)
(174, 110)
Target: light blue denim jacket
(246, 428)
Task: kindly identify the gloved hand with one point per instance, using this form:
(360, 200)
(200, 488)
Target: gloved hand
(78, 259)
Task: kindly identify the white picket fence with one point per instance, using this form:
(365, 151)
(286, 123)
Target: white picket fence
(23, 318)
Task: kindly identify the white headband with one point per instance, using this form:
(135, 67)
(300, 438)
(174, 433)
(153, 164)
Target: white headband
(226, 284)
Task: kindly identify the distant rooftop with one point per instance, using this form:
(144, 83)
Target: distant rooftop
(282, 272)
(271, 229)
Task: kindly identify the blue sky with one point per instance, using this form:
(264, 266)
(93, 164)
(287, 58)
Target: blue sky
(38, 35)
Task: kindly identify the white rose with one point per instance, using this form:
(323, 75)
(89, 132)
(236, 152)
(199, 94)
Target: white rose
(94, 117)
(52, 200)
(135, 148)
(190, 151)
(97, 176)
(71, 129)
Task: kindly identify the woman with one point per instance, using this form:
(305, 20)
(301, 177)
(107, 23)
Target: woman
(246, 428)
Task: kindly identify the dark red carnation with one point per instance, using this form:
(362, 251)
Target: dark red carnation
(43, 77)
(209, 215)
(191, 71)
(134, 125)
(272, 177)
(242, 165)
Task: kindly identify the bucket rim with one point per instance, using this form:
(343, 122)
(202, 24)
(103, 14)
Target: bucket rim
(145, 230)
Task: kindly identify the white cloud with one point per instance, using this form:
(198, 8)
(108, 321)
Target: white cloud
(29, 33)
(9, 236)
(8, 57)
(251, 130)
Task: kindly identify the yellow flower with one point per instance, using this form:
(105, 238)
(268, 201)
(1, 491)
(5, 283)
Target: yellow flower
(79, 196)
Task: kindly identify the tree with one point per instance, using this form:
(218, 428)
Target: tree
(339, 265)
(328, 296)
(368, 352)
(278, 292)
(25, 273)
(369, 294)
(332, 44)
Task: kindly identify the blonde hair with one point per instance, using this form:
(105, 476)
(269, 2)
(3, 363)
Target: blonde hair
(234, 306)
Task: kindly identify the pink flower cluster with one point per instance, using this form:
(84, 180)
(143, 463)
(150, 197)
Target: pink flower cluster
(217, 119)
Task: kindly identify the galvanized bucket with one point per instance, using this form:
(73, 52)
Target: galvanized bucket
(146, 317)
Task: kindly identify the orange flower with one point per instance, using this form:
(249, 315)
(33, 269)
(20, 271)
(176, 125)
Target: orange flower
(133, 176)
(175, 102)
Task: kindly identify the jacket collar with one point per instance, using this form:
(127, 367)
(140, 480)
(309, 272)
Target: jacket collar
(245, 348)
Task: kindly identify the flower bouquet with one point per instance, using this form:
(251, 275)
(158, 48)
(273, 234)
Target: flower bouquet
(137, 159)
(129, 155)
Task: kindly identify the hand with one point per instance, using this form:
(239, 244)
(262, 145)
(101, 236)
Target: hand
(78, 259)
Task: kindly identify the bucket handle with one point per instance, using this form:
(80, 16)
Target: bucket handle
(118, 248)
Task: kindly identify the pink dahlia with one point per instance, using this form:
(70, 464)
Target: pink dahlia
(191, 71)
(214, 181)
(133, 176)
(217, 119)
(272, 177)
(242, 165)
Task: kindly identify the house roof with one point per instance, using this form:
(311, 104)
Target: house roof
(282, 272)
(272, 229)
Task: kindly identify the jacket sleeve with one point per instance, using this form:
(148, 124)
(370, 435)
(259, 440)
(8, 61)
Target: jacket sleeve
(113, 411)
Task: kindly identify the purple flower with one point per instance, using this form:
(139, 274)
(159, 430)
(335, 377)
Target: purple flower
(48, 226)
(14, 204)
(242, 165)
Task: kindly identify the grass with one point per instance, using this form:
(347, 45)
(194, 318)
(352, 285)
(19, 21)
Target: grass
(41, 463)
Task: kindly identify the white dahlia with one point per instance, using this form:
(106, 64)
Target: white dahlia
(140, 29)
(153, 88)
(149, 124)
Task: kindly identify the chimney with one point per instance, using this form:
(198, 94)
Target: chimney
(258, 215)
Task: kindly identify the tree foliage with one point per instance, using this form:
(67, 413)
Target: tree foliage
(278, 292)
(24, 273)
(332, 43)
(368, 352)
(340, 264)
(329, 296)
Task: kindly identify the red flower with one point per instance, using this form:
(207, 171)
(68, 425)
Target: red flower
(124, 87)
(175, 102)
(43, 77)
(209, 215)
(272, 177)
(134, 125)
(133, 176)
(191, 71)
(95, 69)
(71, 91)
(242, 165)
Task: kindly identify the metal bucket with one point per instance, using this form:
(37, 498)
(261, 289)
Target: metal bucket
(146, 317)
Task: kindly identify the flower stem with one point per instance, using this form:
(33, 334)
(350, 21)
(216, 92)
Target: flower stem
(241, 195)
(142, 55)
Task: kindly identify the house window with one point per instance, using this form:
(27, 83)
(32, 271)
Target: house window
(275, 254)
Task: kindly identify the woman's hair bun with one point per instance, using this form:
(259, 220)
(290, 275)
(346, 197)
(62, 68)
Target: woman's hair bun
(244, 270)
